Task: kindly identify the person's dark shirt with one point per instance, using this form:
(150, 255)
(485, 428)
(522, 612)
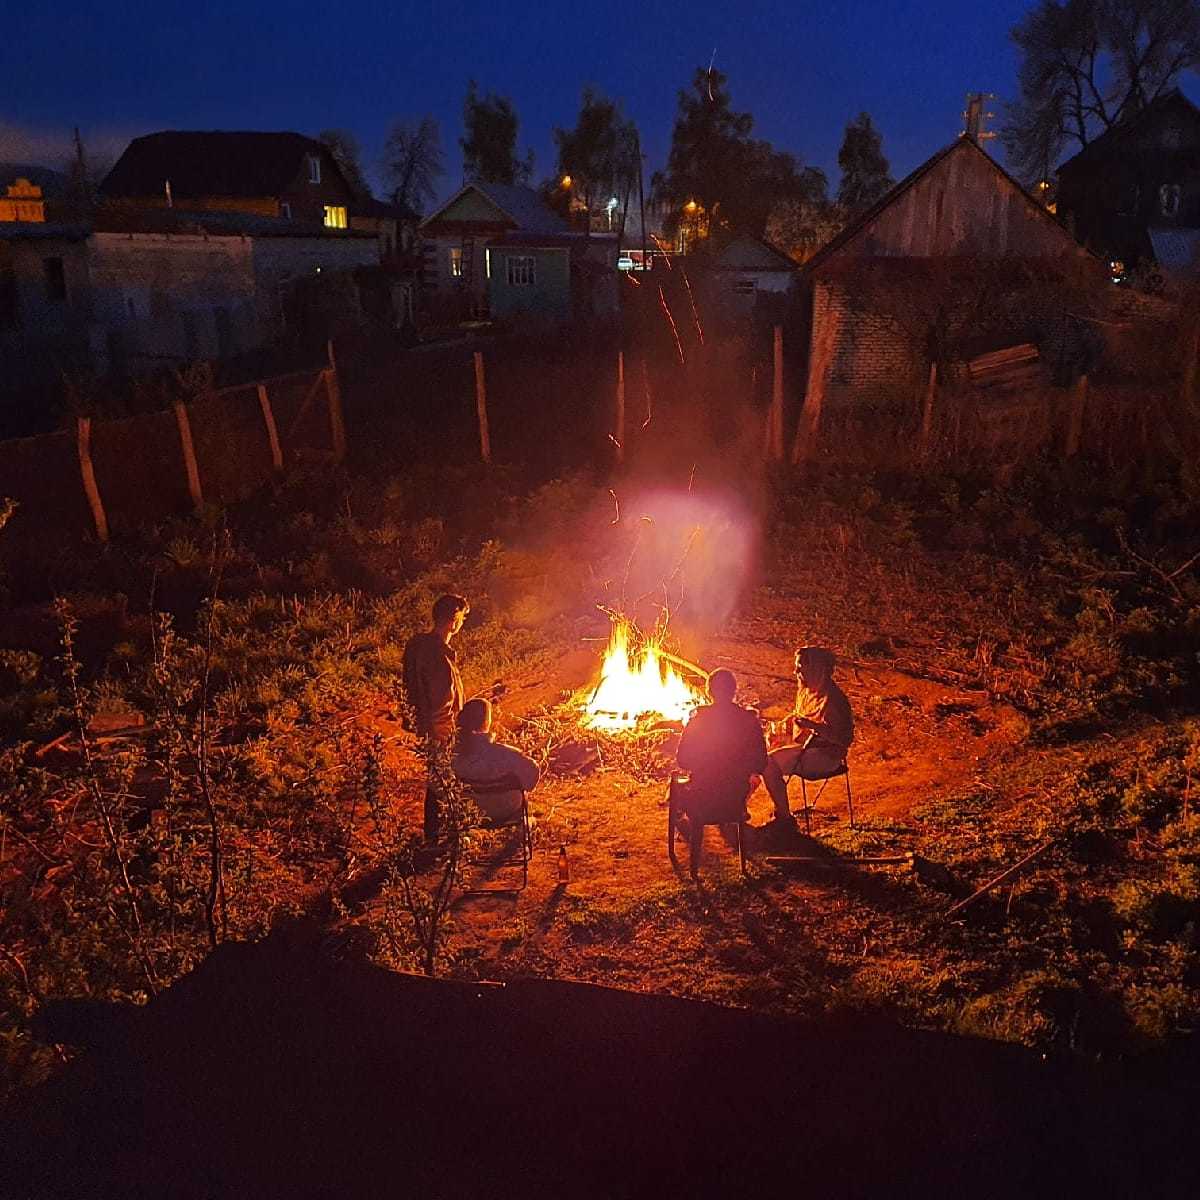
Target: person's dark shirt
(433, 685)
(722, 747)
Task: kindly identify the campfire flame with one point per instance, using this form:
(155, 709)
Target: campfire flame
(635, 682)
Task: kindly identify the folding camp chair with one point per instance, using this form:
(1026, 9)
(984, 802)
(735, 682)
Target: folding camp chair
(735, 816)
(841, 771)
(517, 857)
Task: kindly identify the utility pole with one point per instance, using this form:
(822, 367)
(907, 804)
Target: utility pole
(975, 117)
(641, 198)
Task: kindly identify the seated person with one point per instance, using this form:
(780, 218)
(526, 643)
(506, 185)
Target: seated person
(479, 760)
(722, 748)
(822, 725)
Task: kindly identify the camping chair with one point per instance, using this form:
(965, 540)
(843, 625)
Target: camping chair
(841, 771)
(736, 816)
(517, 857)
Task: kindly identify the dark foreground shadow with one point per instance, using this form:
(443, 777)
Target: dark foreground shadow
(271, 1072)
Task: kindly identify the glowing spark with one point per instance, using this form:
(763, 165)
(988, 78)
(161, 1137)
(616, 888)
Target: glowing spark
(635, 282)
(692, 301)
(671, 319)
(692, 477)
(616, 504)
(646, 387)
(710, 71)
(662, 249)
(614, 441)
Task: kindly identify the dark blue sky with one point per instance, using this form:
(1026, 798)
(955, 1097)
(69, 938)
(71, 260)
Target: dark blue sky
(119, 69)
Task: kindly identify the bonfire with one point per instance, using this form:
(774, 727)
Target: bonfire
(639, 682)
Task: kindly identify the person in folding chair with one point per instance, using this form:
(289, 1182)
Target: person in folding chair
(480, 761)
(822, 725)
(722, 749)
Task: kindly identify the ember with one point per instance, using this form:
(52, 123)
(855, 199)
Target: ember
(636, 681)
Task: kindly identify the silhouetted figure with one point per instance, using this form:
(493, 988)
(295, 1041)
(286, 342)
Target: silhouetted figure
(435, 692)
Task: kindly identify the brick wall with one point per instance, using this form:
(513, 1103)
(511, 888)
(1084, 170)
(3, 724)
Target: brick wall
(168, 297)
(868, 355)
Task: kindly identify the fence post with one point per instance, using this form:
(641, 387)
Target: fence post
(775, 418)
(927, 410)
(189, 454)
(83, 440)
(485, 443)
(820, 359)
(333, 393)
(619, 435)
(1075, 416)
(1187, 391)
(264, 403)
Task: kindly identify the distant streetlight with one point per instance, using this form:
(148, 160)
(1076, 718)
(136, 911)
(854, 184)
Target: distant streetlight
(566, 181)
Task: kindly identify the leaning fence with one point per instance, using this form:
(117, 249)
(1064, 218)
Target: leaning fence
(221, 447)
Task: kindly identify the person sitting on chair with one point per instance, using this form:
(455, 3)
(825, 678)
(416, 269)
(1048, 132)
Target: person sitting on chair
(722, 749)
(822, 725)
(480, 761)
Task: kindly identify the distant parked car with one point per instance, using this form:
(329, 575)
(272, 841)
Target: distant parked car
(625, 263)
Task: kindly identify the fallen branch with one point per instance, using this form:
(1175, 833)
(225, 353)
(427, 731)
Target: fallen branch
(1006, 874)
(888, 860)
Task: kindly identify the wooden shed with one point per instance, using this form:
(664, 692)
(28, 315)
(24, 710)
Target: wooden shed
(958, 215)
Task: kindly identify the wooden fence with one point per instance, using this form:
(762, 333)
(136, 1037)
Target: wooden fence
(218, 448)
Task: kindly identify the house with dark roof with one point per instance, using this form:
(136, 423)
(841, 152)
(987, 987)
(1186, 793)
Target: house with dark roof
(958, 217)
(501, 249)
(266, 174)
(1133, 194)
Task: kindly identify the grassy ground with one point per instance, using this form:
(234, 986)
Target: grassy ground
(1019, 663)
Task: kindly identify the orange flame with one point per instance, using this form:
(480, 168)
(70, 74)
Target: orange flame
(635, 682)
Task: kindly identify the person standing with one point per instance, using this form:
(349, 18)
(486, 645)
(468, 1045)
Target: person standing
(435, 692)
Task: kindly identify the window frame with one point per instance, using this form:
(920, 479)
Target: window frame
(456, 262)
(520, 270)
(314, 168)
(334, 216)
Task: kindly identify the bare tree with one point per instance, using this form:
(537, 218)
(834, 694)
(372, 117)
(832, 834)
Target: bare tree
(412, 162)
(343, 145)
(1087, 65)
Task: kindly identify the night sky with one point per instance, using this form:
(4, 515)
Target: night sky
(803, 70)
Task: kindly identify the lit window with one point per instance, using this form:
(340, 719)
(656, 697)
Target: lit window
(335, 216)
(314, 168)
(520, 270)
(1168, 199)
(487, 262)
(746, 287)
(456, 261)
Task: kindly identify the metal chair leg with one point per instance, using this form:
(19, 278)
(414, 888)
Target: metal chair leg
(697, 843)
(807, 810)
(741, 848)
(849, 800)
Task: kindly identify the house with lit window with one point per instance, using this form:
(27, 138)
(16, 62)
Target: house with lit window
(283, 175)
(1133, 194)
(502, 251)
